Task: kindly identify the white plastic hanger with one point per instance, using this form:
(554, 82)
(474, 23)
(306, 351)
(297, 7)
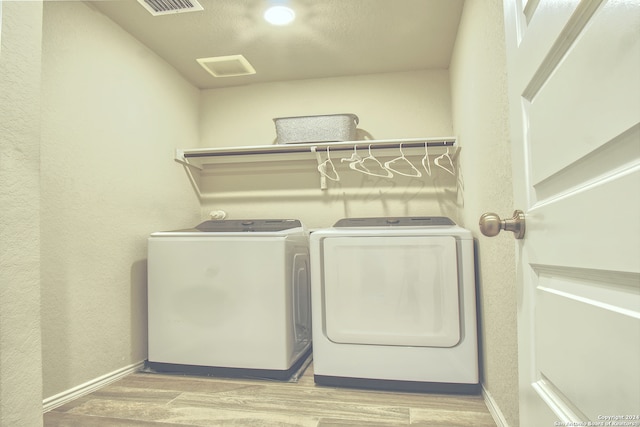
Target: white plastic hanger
(328, 169)
(360, 167)
(448, 163)
(412, 171)
(355, 157)
(426, 164)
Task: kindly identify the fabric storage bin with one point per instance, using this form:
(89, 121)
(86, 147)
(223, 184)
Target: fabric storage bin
(323, 128)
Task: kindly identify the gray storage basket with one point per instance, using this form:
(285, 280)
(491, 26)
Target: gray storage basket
(323, 128)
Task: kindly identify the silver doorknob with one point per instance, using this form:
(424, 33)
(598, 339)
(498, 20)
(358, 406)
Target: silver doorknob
(491, 224)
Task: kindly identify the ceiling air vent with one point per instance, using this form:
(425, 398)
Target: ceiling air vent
(166, 7)
(227, 66)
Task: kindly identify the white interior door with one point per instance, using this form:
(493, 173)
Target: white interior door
(574, 83)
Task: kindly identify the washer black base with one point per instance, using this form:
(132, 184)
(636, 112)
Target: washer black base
(397, 385)
(220, 371)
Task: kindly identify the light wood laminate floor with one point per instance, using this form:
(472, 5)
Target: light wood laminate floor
(155, 400)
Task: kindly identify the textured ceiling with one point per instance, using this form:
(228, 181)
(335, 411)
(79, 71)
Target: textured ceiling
(329, 38)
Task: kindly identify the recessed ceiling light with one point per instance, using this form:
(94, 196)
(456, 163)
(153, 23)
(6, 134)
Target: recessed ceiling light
(279, 15)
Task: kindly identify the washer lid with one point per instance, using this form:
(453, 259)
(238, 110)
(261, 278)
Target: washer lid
(410, 221)
(248, 225)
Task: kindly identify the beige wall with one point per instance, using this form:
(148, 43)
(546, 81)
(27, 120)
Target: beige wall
(390, 106)
(112, 115)
(20, 343)
(395, 105)
(478, 81)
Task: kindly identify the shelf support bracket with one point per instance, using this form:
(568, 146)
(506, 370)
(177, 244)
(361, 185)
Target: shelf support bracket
(323, 179)
(180, 158)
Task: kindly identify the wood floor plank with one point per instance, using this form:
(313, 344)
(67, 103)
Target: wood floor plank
(123, 393)
(334, 394)
(451, 418)
(211, 415)
(62, 419)
(263, 401)
(183, 383)
(336, 422)
(136, 394)
(70, 405)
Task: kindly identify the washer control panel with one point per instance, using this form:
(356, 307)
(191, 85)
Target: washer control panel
(235, 225)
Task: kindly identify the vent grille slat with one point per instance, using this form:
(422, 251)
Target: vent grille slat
(163, 7)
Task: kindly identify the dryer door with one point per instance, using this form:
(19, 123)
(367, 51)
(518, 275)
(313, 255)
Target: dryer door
(400, 290)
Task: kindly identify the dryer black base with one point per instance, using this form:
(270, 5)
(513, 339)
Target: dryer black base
(220, 371)
(397, 385)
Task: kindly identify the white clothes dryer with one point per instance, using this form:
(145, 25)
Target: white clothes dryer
(394, 305)
(230, 298)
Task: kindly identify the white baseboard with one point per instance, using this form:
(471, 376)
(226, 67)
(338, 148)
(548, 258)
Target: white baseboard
(494, 410)
(83, 389)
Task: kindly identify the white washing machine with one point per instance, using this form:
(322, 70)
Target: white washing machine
(394, 305)
(230, 298)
